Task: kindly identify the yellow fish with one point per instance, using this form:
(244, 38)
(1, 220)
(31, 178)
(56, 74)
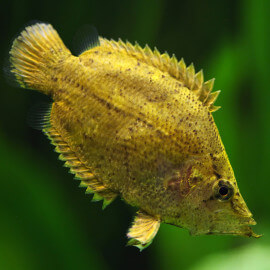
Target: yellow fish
(132, 122)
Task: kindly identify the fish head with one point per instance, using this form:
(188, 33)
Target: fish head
(217, 207)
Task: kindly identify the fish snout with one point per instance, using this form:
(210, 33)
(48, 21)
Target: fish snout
(240, 208)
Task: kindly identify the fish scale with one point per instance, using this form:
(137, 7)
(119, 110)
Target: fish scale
(135, 123)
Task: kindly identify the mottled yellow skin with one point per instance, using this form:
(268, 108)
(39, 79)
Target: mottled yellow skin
(137, 129)
(143, 132)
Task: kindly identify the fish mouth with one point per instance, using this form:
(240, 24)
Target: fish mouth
(243, 228)
(249, 221)
(245, 218)
(247, 232)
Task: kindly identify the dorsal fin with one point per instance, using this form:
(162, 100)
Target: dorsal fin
(81, 171)
(177, 69)
(85, 38)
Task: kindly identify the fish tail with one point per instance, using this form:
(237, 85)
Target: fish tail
(36, 52)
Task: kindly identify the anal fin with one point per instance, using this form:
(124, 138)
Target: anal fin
(143, 230)
(82, 172)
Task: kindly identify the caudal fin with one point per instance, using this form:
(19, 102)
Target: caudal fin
(34, 53)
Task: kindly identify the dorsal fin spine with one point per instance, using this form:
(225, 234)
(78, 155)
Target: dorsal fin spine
(156, 53)
(156, 58)
(198, 80)
(206, 90)
(212, 98)
(165, 59)
(122, 44)
(140, 50)
(214, 108)
(148, 51)
(174, 67)
(190, 75)
(182, 69)
(169, 64)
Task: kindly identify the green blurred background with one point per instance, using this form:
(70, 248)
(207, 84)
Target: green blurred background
(47, 222)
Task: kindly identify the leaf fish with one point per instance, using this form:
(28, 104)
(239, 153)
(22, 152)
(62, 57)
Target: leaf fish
(133, 122)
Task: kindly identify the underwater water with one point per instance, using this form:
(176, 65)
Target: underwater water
(47, 222)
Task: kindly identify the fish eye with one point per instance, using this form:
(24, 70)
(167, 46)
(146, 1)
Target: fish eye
(223, 190)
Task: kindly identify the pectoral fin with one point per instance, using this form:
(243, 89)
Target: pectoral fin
(143, 230)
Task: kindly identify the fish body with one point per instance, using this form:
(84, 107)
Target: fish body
(132, 122)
